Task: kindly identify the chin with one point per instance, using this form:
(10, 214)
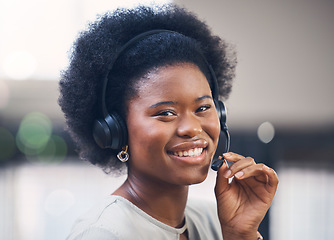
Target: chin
(195, 176)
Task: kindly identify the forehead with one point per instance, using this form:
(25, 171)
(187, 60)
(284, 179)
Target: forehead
(185, 78)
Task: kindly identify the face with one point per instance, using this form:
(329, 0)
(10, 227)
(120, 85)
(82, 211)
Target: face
(173, 126)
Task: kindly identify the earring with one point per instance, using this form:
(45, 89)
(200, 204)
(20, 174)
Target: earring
(123, 155)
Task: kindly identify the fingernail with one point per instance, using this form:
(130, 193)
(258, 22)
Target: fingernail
(227, 174)
(239, 174)
(227, 155)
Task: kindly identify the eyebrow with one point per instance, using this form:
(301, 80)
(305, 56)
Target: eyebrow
(163, 103)
(175, 103)
(202, 98)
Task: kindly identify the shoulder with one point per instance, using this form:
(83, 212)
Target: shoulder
(101, 222)
(116, 218)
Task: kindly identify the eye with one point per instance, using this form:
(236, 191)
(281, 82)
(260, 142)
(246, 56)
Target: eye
(203, 108)
(166, 113)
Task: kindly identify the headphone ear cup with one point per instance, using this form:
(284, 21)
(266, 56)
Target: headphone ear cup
(101, 133)
(220, 108)
(224, 136)
(110, 132)
(221, 111)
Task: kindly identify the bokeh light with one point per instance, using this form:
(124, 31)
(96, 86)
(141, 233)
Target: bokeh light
(36, 141)
(7, 144)
(20, 65)
(34, 133)
(266, 132)
(54, 151)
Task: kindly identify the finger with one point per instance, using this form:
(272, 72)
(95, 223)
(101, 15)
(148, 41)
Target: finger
(259, 236)
(232, 157)
(255, 170)
(272, 177)
(261, 173)
(239, 165)
(221, 181)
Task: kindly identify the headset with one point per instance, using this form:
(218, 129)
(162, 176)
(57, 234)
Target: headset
(110, 130)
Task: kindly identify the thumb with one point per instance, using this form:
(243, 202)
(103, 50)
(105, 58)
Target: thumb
(221, 181)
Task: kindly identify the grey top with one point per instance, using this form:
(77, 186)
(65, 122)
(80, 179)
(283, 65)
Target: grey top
(118, 219)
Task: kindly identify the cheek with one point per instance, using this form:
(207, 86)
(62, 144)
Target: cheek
(146, 138)
(212, 127)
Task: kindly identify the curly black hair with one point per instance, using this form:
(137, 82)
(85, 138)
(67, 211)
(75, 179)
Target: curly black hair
(93, 51)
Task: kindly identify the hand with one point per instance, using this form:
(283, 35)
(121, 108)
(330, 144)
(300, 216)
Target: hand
(243, 203)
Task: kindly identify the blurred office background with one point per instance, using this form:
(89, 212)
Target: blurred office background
(281, 112)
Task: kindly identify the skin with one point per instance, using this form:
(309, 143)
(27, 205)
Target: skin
(173, 111)
(243, 204)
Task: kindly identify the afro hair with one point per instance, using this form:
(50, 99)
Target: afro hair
(95, 49)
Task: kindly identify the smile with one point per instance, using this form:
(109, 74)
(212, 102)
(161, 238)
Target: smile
(195, 152)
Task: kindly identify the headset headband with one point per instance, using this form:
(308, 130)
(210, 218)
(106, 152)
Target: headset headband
(137, 38)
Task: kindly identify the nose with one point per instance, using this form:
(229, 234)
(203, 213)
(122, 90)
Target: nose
(189, 126)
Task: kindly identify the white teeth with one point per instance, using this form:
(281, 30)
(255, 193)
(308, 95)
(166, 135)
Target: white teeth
(190, 153)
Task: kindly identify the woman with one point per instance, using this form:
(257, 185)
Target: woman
(140, 95)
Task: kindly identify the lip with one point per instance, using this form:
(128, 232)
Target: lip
(185, 146)
(190, 160)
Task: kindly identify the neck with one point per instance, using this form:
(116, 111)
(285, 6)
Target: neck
(164, 202)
